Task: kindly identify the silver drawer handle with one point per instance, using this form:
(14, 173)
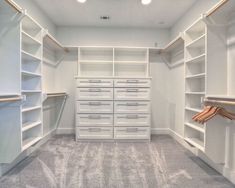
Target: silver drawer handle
(132, 116)
(132, 90)
(132, 130)
(94, 117)
(132, 81)
(95, 90)
(95, 103)
(94, 129)
(132, 104)
(94, 81)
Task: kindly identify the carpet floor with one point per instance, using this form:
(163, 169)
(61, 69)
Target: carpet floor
(161, 163)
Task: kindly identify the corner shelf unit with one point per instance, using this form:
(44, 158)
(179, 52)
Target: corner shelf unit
(113, 62)
(173, 53)
(31, 82)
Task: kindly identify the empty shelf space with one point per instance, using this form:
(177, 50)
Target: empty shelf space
(201, 75)
(200, 129)
(32, 74)
(193, 109)
(29, 125)
(198, 42)
(30, 108)
(196, 142)
(29, 142)
(28, 39)
(197, 59)
(29, 57)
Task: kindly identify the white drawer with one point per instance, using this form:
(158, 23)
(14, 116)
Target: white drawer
(132, 94)
(132, 120)
(132, 133)
(94, 107)
(94, 83)
(132, 83)
(94, 93)
(94, 120)
(132, 107)
(94, 132)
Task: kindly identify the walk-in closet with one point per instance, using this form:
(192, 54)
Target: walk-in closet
(117, 94)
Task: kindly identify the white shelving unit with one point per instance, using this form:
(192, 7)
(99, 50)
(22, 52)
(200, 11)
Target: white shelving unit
(31, 82)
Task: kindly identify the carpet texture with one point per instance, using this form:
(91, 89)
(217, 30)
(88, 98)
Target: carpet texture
(64, 163)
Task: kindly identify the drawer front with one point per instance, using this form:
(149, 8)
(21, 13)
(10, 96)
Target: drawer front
(132, 120)
(94, 93)
(132, 94)
(132, 133)
(132, 107)
(94, 132)
(94, 83)
(132, 83)
(94, 107)
(94, 120)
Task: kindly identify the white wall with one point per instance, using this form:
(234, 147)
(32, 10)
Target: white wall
(36, 13)
(90, 36)
(198, 8)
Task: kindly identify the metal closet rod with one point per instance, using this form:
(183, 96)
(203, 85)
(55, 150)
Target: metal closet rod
(56, 94)
(219, 102)
(13, 5)
(10, 98)
(220, 4)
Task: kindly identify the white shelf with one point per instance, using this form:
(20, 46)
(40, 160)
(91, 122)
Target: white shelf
(31, 91)
(95, 61)
(27, 73)
(29, 142)
(197, 43)
(131, 62)
(193, 109)
(196, 142)
(197, 59)
(191, 125)
(221, 97)
(28, 39)
(29, 57)
(27, 109)
(201, 75)
(29, 125)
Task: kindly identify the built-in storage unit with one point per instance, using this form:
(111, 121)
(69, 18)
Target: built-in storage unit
(113, 93)
(31, 81)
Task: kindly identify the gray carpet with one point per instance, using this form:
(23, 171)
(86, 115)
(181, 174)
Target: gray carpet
(64, 163)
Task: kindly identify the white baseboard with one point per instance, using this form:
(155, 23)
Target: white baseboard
(65, 131)
(157, 131)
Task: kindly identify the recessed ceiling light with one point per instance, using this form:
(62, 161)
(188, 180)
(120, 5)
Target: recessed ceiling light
(146, 2)
(81, 1)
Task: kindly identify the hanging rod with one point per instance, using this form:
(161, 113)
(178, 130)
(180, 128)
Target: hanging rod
(219, 102)
(10, 98)
(220, 4)
(56, 94)
(14, 6)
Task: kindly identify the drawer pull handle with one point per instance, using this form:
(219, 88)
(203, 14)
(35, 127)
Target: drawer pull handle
(95, 103)
(132, 81)
(132, 90)
(94, 129)
(132, 130)
(95, 90)
(132, 116)
(94, 81)
(132, 104)
(94, 117)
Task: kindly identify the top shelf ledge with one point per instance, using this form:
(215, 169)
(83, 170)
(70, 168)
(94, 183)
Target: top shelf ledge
(178, 41)
(50, 42)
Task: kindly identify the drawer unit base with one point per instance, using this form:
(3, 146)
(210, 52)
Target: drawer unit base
(127, 133)
(94, 133)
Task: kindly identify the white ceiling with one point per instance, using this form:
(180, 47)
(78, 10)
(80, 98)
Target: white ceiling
(123, 13)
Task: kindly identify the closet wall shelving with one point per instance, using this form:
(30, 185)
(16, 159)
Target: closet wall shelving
(173, 53)
(208, 73)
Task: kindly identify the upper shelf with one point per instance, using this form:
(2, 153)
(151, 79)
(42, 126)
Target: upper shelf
(177, 42)
(51, 43)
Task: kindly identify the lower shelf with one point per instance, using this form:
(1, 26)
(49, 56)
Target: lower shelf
(29, 125)
(196, 142)
(29, 142)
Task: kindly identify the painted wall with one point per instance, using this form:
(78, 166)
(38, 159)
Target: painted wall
(36, 13)
(89, 36)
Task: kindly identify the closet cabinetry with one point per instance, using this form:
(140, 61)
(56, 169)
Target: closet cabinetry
(113, 93)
